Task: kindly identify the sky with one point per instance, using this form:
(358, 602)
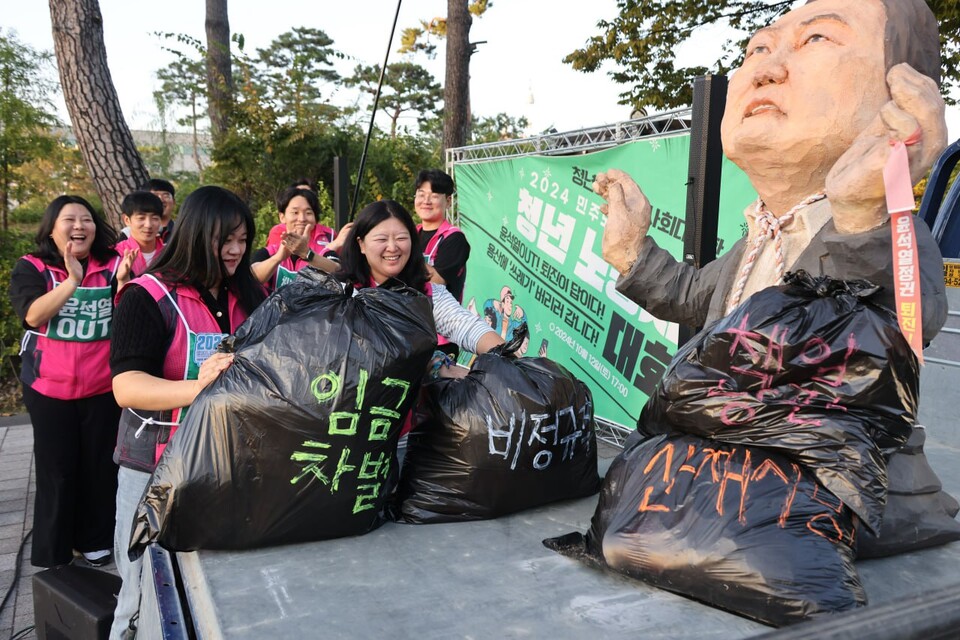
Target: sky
(519, 69)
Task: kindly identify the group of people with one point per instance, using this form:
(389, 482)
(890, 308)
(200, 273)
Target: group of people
(134, 322)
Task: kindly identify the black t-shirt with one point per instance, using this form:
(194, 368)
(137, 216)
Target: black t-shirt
(450, 259)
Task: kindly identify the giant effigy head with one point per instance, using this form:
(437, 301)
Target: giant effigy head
(816, 78)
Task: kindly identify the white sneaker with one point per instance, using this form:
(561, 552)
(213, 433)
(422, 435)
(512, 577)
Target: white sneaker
(98, 558)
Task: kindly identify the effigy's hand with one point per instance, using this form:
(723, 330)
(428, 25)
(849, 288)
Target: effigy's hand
(628, 218)
(915, 115)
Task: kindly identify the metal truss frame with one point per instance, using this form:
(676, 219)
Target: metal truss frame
(573, 142)
(612, 433)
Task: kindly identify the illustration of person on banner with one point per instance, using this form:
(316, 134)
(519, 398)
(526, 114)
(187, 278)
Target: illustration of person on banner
(824, 97)
(506, 316)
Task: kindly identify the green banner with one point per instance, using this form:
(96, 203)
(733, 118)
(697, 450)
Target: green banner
(535, 227)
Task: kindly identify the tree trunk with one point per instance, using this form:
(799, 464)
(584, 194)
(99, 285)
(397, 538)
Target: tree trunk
(196, 139)
(456, 89)
(219, 68)
(102, 133)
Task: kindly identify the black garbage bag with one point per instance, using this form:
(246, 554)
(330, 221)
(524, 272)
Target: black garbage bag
(810, 369)
(918, 514)
(297, 440)
(734, 526)
(512, 435)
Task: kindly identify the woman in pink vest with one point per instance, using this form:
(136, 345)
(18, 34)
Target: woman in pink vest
(168, 325)
(379, 247)
(63, 294)
(300, 242)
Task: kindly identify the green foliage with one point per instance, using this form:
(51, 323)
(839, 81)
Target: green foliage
(25, 114)
(13, 244)
(499, 127)
(406, 87)
(291, 70)
(61, 170)
(184, 83)
(643, 38)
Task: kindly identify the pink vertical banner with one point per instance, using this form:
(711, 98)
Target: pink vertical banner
(906, 268)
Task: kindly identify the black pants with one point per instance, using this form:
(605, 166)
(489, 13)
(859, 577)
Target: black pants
(73, 442)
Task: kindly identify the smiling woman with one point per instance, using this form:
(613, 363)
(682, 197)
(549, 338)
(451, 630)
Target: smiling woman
(164, 352)
(63, 294)
(379, 247)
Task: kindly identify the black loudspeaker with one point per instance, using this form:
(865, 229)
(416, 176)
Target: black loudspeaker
(703, 176)
(74, 603)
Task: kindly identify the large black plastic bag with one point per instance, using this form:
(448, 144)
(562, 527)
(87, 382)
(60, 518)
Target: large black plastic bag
(918, 514)
(297, 439)
(733, 526)
(512, 435)
(810, 369)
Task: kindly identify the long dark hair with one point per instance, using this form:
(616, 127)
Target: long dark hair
(207, 217)
(354, 267)
(103, 240)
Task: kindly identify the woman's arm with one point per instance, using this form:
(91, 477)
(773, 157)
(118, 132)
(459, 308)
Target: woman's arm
(488, 341)
(140, 390)
(49, 304)
(139, 343)
(459, 325)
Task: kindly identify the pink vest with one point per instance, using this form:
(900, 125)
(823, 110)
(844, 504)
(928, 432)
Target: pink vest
(287, 271)
(445, 229)
(69, 357)
(430, 253)
(140, 264)
(195, 334)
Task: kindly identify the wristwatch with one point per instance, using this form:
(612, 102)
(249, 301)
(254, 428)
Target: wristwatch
(310, 255)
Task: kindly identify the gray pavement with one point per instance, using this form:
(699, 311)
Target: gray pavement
(17, 486)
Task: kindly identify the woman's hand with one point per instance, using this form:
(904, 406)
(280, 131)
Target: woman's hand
(337, 243)
(211, 369)
(70, 261)
(49, 304)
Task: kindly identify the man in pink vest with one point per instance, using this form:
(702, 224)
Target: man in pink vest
(444, 247)
(143, 215)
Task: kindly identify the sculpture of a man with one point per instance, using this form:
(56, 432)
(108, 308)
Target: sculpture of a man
(810, 117)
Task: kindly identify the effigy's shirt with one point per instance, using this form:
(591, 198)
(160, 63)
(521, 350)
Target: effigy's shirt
(797, 235)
